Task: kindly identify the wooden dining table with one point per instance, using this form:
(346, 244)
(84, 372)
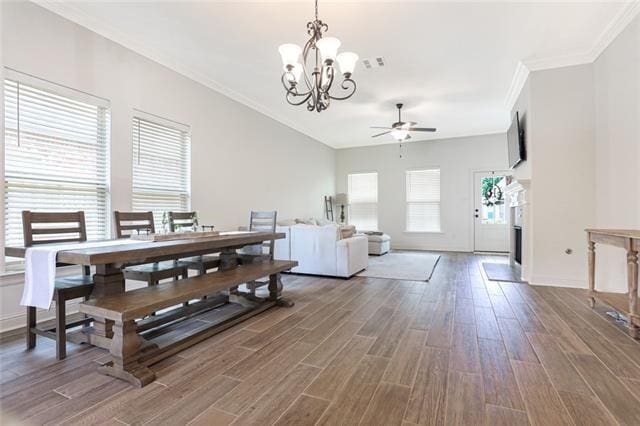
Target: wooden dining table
(109, 262)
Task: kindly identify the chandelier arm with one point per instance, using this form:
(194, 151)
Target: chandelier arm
(349, 85)
(291, 90)
(290, 100)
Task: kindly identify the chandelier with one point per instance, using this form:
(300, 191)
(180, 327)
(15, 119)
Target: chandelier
(313, 85)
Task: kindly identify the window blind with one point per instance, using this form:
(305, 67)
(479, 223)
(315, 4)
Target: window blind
(56, 156)
(363, 201)
(161, 167)
(423, 200)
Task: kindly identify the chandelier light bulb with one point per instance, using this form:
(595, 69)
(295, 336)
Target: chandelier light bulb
(290, 53)
(293, 75)
(328, 47)
(347, 62)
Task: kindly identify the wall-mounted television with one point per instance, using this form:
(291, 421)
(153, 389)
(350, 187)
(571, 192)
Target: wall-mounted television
(515, 142)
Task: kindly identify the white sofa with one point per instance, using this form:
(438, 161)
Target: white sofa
(320, 250)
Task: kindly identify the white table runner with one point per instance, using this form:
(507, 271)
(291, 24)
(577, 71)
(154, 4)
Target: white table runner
(40, 269)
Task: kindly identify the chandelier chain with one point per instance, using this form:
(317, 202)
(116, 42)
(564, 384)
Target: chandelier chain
(316, 10)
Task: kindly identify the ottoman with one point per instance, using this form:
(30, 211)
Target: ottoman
(379, 244)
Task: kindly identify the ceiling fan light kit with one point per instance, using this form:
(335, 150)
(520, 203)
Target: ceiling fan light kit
(312, 86)
(400, 129)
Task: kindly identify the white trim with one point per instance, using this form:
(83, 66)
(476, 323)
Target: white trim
(547, 280)
(517, 84)
(76, 15)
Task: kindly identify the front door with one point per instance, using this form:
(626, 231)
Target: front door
(490, 213)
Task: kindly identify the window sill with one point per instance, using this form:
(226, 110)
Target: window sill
(422, 232)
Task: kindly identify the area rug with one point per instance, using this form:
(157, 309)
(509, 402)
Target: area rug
(501, 272)
(402, 265)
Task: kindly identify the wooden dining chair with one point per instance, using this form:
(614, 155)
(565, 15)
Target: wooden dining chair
(200, 264)
(48, 227)
(261, 222)
(126, 224)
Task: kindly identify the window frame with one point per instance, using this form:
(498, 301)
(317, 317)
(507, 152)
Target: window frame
(407, 202)
(9, 266)
(364, 172)
(170, 124)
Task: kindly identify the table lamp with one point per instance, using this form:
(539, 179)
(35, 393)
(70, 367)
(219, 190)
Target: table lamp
(342, 200)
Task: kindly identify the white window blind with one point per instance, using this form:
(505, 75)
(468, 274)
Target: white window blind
(56, 156)
(161, 167)
(423, 200)
(363, 201)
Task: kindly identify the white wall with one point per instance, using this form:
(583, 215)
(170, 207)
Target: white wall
(457, 159)
(241, 159)
(562, 149)
(583, 142)
(617, 118)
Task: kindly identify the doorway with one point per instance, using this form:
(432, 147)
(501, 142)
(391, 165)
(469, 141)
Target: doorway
(491, 233)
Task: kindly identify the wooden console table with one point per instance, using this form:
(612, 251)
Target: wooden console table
(630, 241)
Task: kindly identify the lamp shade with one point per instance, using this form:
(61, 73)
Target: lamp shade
(342, 199)
(347, 62)
(328, 47)
(290, 53)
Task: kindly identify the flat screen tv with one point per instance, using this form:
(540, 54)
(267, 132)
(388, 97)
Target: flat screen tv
(515, 143)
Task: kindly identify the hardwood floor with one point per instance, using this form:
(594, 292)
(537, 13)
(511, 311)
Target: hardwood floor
(457, 350)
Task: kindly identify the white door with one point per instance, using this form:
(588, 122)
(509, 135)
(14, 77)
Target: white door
(490, 213)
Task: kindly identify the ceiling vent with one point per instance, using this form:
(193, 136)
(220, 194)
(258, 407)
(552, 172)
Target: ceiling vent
(376, 62)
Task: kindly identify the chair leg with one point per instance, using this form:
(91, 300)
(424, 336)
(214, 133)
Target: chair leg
(61, 331)
(31, 323)
(185, 275)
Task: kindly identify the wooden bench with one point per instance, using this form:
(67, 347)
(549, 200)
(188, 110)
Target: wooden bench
(131, 353)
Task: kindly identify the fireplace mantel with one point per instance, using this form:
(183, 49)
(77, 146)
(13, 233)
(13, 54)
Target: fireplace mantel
(517, 199)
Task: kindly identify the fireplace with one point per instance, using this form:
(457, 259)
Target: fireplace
(517, 243)
(519, 255)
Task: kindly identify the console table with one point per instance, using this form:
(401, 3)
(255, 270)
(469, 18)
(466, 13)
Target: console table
(629, 240)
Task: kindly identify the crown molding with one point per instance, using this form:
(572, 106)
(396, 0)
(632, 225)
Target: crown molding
(517, 83)
(74, 14)
(611, 31)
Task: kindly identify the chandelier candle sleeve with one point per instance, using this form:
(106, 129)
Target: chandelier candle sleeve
(311, 81)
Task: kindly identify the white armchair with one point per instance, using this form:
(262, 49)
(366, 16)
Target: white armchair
(319, 250)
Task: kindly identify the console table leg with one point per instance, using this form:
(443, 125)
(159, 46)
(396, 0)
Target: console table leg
(592, 270)
(632, 277)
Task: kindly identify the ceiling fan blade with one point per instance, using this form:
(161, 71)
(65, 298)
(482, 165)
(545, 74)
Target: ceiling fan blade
(422, 129)
(380, 134)
(380, 127)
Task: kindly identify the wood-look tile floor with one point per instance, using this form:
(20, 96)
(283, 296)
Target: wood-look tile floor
(457, 350)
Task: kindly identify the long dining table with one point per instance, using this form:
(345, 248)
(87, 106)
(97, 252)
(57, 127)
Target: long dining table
(110, 260)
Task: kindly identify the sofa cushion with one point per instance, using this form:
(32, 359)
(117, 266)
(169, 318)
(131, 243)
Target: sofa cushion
(307, 221)
(378, 238)
(347, 231)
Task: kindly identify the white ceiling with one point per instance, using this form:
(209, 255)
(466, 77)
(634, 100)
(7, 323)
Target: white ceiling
(452, 64)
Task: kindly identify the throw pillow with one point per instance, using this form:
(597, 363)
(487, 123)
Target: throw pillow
(347, 231)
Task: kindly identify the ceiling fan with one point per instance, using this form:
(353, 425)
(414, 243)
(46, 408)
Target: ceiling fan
(400, 130)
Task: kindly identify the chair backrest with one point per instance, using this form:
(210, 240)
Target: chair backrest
(179, 220)
(264, 222)
(129, 222)
(50, 227)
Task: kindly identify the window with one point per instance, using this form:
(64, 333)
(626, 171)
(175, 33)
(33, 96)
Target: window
(161, 163)
(56, 154)
(363, 200)
(423, 200)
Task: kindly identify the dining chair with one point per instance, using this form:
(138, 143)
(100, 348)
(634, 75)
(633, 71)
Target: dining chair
(261, 222)
(200, 264)
(126, 224)
(49, 227)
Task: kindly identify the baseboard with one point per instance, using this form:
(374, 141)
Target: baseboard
(549, 281)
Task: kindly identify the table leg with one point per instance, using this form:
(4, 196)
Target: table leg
(229, 260)
(591, 255)
(275, 291)
(108, 279)
(632, 278)
(126, 348)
